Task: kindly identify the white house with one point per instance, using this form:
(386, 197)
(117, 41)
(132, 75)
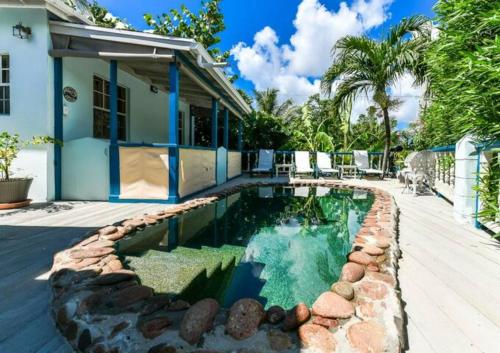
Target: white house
(142, 117)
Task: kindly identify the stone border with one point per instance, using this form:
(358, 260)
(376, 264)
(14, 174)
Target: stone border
(100, 307)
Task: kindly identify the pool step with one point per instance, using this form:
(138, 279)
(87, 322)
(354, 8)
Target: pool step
(209, 255)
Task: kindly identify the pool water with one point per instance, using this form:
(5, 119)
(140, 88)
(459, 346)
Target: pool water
(279, 245)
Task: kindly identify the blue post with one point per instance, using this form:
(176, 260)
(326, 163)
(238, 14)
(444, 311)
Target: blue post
(58, 125)
(478, 175)
(173, 134)
(226, 128)
(215, 114)
(114, 162)
(240, 134)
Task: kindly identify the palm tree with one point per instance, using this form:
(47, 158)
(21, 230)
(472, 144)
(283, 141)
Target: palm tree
(267, 102)
(366, 66)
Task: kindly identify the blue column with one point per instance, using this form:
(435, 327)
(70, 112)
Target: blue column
(173, 134)
(215, 114)
(114, 162)
(226, 128)
(58, 125)
(240, 134)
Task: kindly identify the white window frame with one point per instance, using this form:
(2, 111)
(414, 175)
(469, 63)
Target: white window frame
(5, 102)
(108, 111)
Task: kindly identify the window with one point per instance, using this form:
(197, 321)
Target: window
(101, 110)
(4, 85)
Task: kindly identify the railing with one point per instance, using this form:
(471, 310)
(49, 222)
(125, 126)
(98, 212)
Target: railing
(444, 173)
(250, 159)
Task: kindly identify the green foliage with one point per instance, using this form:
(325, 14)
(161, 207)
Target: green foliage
(10, 145)
(464, 74)
(103, 18)
(365, 66)
(203, 26)
(267, 102)
(489, 189)
(262, 130)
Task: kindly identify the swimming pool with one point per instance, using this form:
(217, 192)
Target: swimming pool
(278, 244)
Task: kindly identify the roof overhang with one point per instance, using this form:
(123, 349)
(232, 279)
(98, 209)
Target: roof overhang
(133, 48)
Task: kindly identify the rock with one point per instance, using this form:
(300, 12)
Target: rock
(325, 322)
(129, 296)
(352, 272)
(244, 318)
(153, 328)
(275, 314)
(66, 277)
(62, 319)
(162, 348)
(361, 258)
(114, 277)
(372, 250)
(296, 317)
(198, 319)
(373, 290)
(90, 252)
(367, 337)
(102, 243)
(178, 305)
(115, 265)
(344, 289)
(382, 277)
(107, 230)
(279, 341)
(119, 234)
(85, 340)
(332, 305)
(94, 300)
(118, 328)
(155, 303)
(71, 330)
(317, 338)
(373, 267)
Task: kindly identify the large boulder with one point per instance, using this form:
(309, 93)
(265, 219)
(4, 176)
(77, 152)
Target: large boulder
(317, 338)
(244, 319)
(333, 306)
(352, 272)
(198, 319)
(298, 315)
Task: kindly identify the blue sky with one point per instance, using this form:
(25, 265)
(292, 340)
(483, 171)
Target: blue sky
(285, 43)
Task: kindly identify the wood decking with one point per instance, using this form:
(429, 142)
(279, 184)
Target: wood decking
(449, 274)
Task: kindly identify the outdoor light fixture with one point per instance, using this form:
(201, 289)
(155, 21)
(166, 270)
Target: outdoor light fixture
(21, 31)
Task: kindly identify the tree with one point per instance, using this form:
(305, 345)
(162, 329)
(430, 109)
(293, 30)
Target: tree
(203, 26)
(267, 102)
(103, 18)
(366, 66)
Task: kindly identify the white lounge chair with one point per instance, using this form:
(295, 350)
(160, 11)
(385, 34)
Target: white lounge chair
(362, 162)
(265, 164)
(324, 164)
(302, 164)
(302, 191)
(419, 171)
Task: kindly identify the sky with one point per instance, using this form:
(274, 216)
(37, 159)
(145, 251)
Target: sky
(286, 44)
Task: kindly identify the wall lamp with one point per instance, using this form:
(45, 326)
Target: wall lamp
(21, 31)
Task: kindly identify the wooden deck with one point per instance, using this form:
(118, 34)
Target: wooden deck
(450, 274)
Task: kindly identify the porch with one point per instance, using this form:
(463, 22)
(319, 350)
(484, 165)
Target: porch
(142, 117)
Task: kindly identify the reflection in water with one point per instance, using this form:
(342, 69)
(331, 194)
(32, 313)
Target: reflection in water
(280, 245)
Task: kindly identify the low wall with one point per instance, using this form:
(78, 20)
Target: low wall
(144, 173)
(196, 170)
(233, 164)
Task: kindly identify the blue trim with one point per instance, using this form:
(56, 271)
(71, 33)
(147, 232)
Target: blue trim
(240, 135)
(58, 126)
(173, 233)
(203, 148)
(478, 172)
(173, 134)
(215, 127)
(449, 148)
(142, 144)
(114, 162)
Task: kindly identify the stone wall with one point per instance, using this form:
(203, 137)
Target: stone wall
(101, 307)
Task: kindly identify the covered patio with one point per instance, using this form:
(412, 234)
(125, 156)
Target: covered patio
(181, 136)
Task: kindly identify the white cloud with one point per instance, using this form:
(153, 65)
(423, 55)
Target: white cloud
(410, 96)
(295, 68)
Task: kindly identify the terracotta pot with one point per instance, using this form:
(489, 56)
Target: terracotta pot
(14, 190)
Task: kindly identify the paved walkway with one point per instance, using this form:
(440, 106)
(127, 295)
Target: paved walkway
(449, 275)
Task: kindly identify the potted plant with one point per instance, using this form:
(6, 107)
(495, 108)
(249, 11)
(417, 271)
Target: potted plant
(14, 191)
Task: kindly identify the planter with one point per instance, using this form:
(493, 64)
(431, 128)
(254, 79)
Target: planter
(14, 190)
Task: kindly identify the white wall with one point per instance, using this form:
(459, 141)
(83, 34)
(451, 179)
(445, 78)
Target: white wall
(31, 96)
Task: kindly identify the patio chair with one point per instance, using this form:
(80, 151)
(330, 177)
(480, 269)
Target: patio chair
(324, 164)
(419, 171)
(301, 191)
(302, 164)
(363, 164)
(265, 163)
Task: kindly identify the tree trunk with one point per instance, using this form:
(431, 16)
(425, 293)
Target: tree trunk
(387, 125)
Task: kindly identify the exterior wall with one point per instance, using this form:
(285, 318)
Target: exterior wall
(144, 173)
(31, 96)
(233, 164)
(196, 170)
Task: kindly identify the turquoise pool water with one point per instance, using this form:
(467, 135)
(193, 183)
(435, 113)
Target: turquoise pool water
(279, 245)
